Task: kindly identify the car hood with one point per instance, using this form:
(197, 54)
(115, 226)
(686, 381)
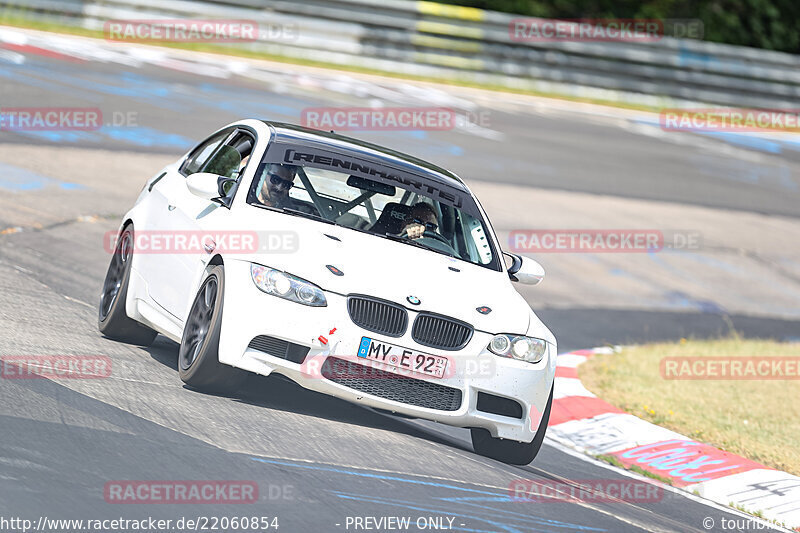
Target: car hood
(394, 271)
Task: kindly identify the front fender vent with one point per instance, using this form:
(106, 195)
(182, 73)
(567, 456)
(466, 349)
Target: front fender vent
(279, 348)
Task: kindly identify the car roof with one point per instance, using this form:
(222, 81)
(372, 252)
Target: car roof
(292, 133)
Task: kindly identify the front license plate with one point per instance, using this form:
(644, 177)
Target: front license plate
(397, 357)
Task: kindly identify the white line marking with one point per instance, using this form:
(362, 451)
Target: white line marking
(71, 299)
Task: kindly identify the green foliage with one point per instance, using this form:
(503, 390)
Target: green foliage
(769, 24)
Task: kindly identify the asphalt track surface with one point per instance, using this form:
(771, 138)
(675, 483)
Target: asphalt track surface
(316, 460)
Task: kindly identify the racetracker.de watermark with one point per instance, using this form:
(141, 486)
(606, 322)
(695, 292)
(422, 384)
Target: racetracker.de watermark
(182, 30)
(64, 119)
(379, 119)
(173, 491)
(730, 368)
(602, 240)
(55, 366)
(50, 119)
(200, 242)
(730, 119)
(586, 490)
(149, 524)
(403, 366)
(604, 30)
(586, 241)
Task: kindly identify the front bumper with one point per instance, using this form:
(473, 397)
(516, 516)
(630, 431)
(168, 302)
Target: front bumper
(328, 331)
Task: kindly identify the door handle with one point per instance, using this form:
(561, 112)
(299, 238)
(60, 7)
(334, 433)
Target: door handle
(171, 207)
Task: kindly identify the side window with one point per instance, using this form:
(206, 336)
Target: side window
(202, 153)
(231, 160)
(224, 162)
(243, 143)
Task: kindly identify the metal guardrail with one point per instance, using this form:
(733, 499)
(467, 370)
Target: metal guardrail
(468, 44)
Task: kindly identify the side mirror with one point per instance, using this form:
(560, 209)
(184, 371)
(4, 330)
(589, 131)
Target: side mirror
(211, 187)
(524, 269)
(203, 184)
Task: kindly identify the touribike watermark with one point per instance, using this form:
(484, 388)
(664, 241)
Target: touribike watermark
(176, 492)
(379, 118)
(603, 30)
(730, 368)
(55, 366)
(586, 490)
(736, 524)
(625, 240)
(730, 119)
(202, 242)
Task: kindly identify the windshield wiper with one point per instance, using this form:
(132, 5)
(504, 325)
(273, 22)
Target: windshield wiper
(393, 237)
(297, 212)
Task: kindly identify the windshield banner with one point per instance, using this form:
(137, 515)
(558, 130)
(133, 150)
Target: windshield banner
(355, 166)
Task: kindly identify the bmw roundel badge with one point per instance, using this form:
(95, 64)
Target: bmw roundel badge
(413, 300)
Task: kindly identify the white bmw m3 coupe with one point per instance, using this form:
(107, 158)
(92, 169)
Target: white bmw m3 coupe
(349, 268)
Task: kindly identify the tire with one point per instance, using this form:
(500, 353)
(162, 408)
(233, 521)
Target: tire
(198, 358)
(509, 451)
(112, 320)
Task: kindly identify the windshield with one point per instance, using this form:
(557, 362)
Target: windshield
(378, 200)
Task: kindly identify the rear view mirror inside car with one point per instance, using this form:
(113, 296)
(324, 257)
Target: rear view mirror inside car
(369, 185)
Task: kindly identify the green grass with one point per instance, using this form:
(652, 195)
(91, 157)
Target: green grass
(759, 514)
(22, 22)
(612, 460)
(757, 419)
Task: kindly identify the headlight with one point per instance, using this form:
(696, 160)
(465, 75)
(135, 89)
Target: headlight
(518, 347)
(287, 286)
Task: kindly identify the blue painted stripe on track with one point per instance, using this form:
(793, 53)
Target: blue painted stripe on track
(382, 477)
(142, 136)
(139, 136)
(154, 93)
(750, 141)
(489, 495)
(21, 179)
(528, 520)
(771, 145)
(395, 503)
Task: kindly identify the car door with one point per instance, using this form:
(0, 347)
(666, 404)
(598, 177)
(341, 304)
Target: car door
(198, 221)
(154, 259)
